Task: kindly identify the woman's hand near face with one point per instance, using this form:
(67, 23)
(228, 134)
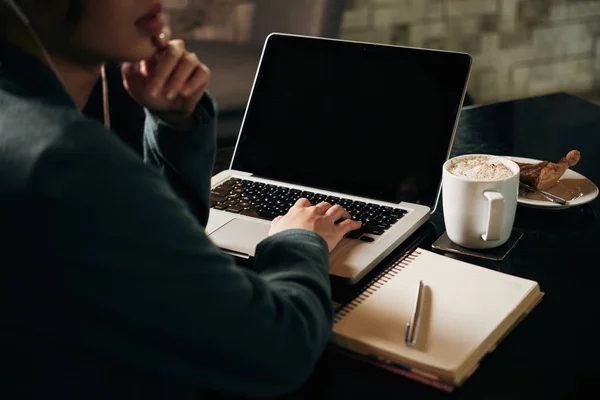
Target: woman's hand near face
(172, 80)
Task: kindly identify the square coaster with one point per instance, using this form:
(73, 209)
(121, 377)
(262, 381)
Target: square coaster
(496, 254)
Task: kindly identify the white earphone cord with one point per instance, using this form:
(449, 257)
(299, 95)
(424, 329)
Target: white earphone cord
(105, 104)
(25, 20)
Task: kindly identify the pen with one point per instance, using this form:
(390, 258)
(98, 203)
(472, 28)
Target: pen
(412, 326)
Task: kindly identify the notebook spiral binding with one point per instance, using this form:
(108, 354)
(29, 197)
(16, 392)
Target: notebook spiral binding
(377, 282)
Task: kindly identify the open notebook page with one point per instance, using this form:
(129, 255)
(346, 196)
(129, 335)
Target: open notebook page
(467, 310)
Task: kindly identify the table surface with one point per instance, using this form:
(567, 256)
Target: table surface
(554, 352)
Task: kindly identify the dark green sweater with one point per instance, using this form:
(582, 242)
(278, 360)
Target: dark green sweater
(110, 288)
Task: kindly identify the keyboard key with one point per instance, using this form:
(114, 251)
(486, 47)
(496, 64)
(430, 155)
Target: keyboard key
(217, 198)
(249, 212)
(267, 215)
(375, 225)
(219, 192)
(332, 200)
(354, 234)
(367, 239)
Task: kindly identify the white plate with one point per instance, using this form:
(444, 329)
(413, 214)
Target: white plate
(581, 188)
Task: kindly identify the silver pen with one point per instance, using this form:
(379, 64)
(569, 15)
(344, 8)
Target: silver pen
(412, 326)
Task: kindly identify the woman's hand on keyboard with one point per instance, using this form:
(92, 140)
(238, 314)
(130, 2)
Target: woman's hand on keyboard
(320, 219)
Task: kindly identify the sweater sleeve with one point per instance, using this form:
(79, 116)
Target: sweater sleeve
(138, 281)
(185, 157)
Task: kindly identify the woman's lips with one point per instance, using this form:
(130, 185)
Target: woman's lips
(152, 24)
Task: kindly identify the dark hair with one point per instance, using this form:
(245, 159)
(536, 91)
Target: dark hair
(74, 13)
(2, 16)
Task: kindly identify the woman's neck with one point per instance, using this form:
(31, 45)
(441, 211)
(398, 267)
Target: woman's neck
(78, 79)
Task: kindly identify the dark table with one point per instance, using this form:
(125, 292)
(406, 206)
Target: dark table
(555, 351)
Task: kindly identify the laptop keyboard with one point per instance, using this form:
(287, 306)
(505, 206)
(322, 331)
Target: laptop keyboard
(267, 201)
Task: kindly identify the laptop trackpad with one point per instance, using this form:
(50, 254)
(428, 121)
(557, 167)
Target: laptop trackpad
(241, 235)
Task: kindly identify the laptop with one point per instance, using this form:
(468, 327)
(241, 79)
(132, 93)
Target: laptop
(364, 125)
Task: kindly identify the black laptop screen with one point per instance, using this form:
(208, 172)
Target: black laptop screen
(363, 119)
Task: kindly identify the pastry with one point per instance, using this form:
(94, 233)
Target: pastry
(546, 174)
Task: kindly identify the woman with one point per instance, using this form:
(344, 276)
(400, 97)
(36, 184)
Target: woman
(110, 288)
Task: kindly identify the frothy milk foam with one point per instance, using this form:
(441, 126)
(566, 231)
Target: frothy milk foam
(480, 168)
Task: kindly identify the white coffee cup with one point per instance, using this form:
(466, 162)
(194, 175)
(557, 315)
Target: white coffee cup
(479, 214)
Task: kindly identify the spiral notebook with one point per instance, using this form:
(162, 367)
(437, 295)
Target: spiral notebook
(467, 311)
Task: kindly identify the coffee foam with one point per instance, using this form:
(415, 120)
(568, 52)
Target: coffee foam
(480, 168)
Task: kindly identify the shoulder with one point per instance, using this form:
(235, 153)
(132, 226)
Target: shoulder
(85, 150)
(44, 145)
(28, 126)
(89, 172)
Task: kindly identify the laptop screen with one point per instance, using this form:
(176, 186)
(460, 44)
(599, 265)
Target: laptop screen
(363, 119)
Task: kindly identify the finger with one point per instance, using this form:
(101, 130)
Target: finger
(302, 202)
(191, 102)
(197, 82)
(182, 74)
(179, 43)
(162, 40)
(129, 72)
(168, 60)
(130, 68)
(276, 220)
(349, 225)
(147, 67)
(322, 207)
(336, 212)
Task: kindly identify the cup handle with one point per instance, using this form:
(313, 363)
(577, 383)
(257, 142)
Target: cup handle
(496, 210)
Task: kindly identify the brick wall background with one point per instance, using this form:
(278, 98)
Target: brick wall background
(520, 47)
(220, 20)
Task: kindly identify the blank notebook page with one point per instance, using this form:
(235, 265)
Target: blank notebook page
(464, 304)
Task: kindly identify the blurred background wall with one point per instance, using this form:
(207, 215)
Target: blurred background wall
(521, 48)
